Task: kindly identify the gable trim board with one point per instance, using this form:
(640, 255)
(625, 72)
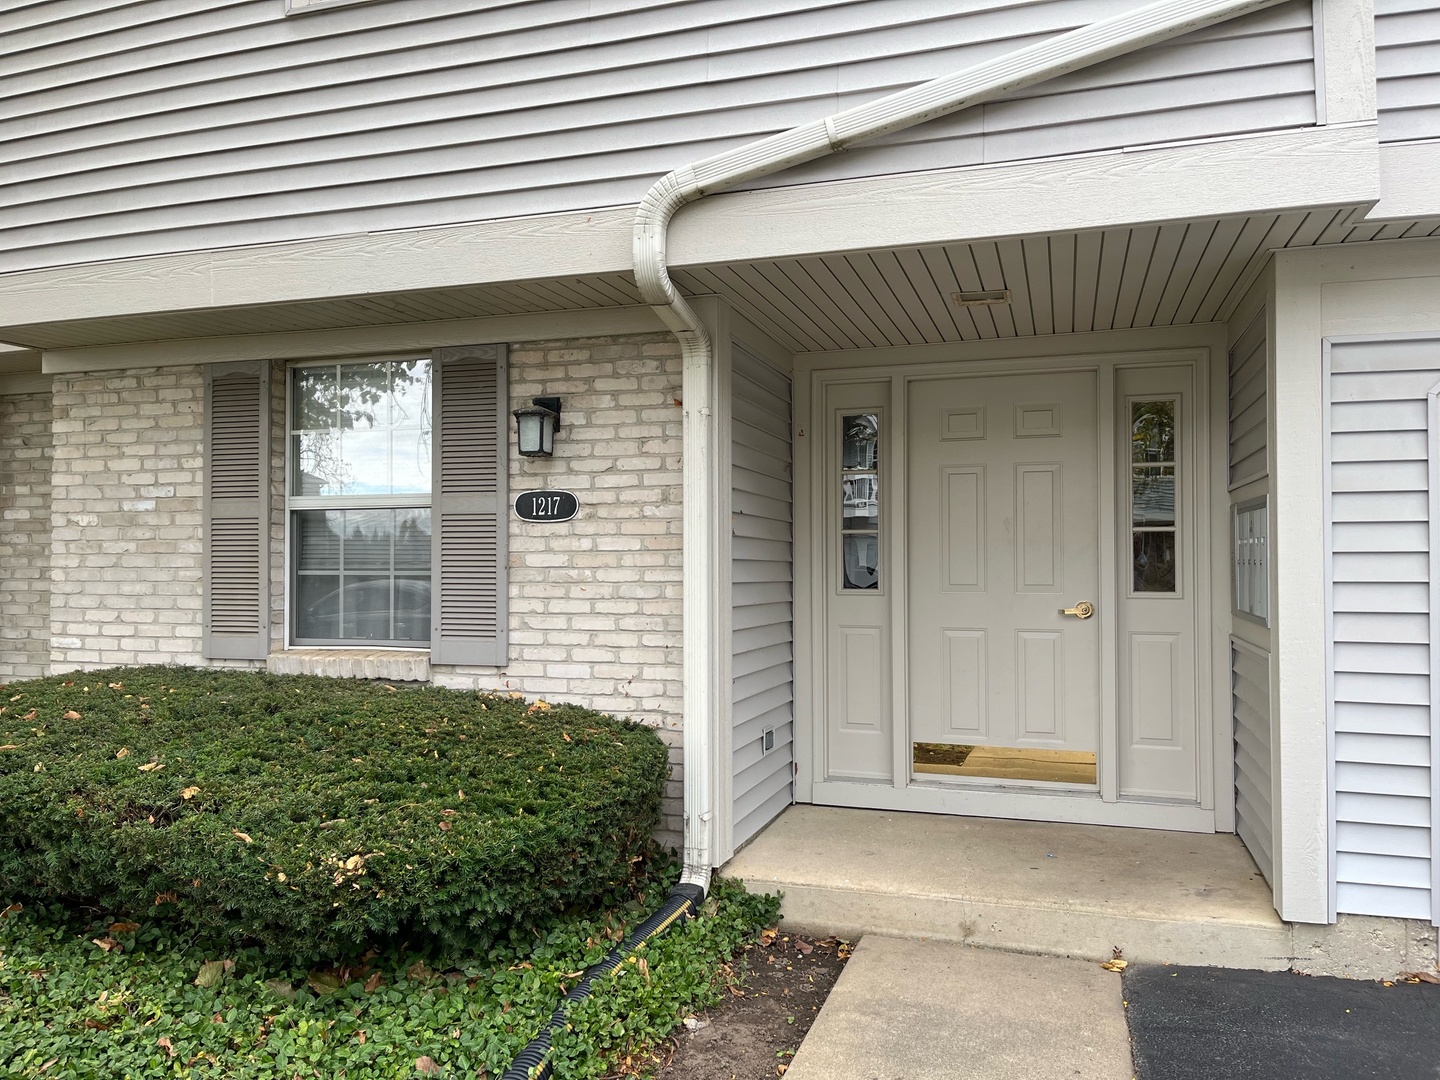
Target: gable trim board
(1382, 587)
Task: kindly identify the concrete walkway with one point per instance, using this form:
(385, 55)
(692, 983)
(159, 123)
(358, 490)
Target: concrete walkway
(907, 1009)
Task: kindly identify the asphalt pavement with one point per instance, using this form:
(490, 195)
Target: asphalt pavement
(1191, 1023)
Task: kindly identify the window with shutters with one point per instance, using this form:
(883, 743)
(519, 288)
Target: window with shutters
(359, 503)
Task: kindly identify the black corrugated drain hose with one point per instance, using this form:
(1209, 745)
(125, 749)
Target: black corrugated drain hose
(533, 1063)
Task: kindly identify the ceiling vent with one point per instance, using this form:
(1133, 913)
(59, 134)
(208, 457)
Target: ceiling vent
(987, 298)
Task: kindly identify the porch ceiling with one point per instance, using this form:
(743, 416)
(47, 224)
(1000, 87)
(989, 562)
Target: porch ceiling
(1145, 275)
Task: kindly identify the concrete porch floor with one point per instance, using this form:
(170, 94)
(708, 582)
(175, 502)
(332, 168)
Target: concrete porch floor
(1024, 886)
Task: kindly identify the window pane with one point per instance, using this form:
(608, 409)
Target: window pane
(365, 458)
(317, 606)
(365, 608)
(412, 609)
(1152, 431)
(412, 540)
(1152, 496)
(410, 462)
(861, 558)
(364, 397)
(317, 464)
(1154, 562)
(317, 539)
(860, 507)
(315, 397)
(410, 394)
(367, 539)
(861, 435)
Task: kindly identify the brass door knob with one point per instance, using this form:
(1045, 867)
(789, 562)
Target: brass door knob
(1082, 610)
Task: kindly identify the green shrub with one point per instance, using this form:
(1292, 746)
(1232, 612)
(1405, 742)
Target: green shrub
(317, 815)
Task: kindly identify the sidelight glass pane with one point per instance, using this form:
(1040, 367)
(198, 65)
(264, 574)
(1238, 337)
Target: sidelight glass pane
(1152, 496)
(861, 441)
(1154, 562)
(1152, 431)
(860, 553)
(860, 504)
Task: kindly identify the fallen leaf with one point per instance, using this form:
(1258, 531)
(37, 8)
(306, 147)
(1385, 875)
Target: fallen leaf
(281, 988)
(17, 697)
(427, 1066)
(1115, 965)
(374, 982)
(243, 836)
(9, 746)
(166, 1045)
(123, 752)
(360, 1037)
(117, 686)
(151, 766)
(1423, 976)
(210, 973)
(165, 898)
(109, 944)
(804, 946)
(190, 793)
(13, 909)
(323, 982)
(445, 826)
(30, 715)
(124, 927)
(71, 714)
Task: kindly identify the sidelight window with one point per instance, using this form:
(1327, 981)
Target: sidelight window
(860, 501)
(1153, 477)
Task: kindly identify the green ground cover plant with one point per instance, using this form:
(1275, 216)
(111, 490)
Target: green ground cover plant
(317, 817)
(98, 1000)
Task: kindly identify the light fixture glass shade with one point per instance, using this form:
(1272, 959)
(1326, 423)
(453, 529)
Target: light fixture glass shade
(535, 431)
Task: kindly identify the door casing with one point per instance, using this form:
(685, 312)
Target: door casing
(1103, 354)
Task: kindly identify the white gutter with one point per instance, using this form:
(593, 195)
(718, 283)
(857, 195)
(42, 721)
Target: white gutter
(994, 78)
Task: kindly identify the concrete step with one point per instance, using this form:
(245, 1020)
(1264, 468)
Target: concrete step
(923, 1010)
(1033, 887)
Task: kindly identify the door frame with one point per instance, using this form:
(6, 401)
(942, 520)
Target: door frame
(1200, 346)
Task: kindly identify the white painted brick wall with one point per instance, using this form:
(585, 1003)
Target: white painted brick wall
(25, 448)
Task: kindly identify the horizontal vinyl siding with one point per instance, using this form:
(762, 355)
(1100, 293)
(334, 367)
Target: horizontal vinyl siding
(762, 572)
(1407, 69)
(140, 130)
(1248, 404)
(1382, 596)
(1250, 709)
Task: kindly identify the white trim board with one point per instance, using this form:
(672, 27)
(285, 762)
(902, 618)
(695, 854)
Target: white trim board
(356, 340)
(1310, 167)
(1409, 182)
(1345, 60)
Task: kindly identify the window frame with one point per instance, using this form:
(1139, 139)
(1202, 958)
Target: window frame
(293, 504)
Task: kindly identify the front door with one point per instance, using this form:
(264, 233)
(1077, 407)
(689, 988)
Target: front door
(1003, 577)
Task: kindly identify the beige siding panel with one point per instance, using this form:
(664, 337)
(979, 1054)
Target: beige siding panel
(1381, 615)
(1407, 69)
(762, 573)
(161, 127)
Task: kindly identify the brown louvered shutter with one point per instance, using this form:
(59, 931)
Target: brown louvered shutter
(469, 509)
(237, 453)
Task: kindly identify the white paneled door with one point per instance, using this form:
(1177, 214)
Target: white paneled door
(1003, 526)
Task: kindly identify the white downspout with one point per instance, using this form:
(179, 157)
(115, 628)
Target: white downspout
(1024, 67)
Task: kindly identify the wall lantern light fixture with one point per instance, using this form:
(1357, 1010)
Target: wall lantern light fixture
(536, 426)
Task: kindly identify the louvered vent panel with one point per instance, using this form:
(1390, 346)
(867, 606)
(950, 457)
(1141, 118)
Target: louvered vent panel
(235, 556)
(469, 567)
(469, 443)
(235, 459)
